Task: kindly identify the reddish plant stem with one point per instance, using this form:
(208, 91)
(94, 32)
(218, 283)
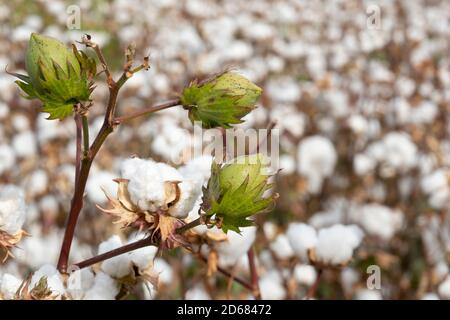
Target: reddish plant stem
(254, 273)
(189, 225)
(86, 162)
(242, 282)
(312, 290)
(157, 107)
(149, 242)
(116, 252)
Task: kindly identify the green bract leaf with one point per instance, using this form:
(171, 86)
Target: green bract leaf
(57, 111)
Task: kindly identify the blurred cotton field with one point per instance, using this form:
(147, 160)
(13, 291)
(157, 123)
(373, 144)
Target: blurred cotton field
(360, 94)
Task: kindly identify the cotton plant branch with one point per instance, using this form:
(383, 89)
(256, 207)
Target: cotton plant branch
(313, 288)
(149, 241)
(91, 151)
(145, 111)
(254, 273)
(116, 252)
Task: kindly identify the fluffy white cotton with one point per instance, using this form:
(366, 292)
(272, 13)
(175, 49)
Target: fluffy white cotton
(335, 244)
(430, 296)
(395, 153)
(437, 186)
(12, 209)
(54, 279)
(235, 246)
(367, 294)
(163, 270)
(444, 288)
(197, 169)
(24, 144)
(283, 89)
(363, 164)
(116, 267)
(281, 247)
(99, 181)
(147, 184)
(143, 257)
(305, 274)
(7, 158)
(189, 192)
(316, 160)
(9, 285)
(358, 124)
(79, 282)
(37, 183)
(349, 278)
(301, 237)
(271, 286)
(197, 293)
(378, 220)
(104, 288)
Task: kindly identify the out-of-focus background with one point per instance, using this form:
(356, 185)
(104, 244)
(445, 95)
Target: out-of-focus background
(360, 91)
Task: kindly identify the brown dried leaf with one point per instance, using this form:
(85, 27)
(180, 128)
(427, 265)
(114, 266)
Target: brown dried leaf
(212, 263)
(124, 216)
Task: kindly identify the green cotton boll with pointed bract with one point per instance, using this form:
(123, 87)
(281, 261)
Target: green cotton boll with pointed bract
(57, 76)
(220, 101)
(236, 191)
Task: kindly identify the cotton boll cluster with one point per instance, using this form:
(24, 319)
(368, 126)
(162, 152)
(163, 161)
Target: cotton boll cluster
(378, 97)
(316, 161)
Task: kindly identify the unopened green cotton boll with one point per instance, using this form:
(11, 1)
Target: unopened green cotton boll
(236, 191)
(57, 76)
(220, 101)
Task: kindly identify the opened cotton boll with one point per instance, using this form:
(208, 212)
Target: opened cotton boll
(335, 245)
(271, 286)
(52, 278)
(235, 246)
(104, 288)
(12, 209)
(378, 220)
(302, 238)
(116, 267)
(316, 161)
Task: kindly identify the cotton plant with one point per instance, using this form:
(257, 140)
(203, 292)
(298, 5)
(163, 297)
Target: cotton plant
(152, 198)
